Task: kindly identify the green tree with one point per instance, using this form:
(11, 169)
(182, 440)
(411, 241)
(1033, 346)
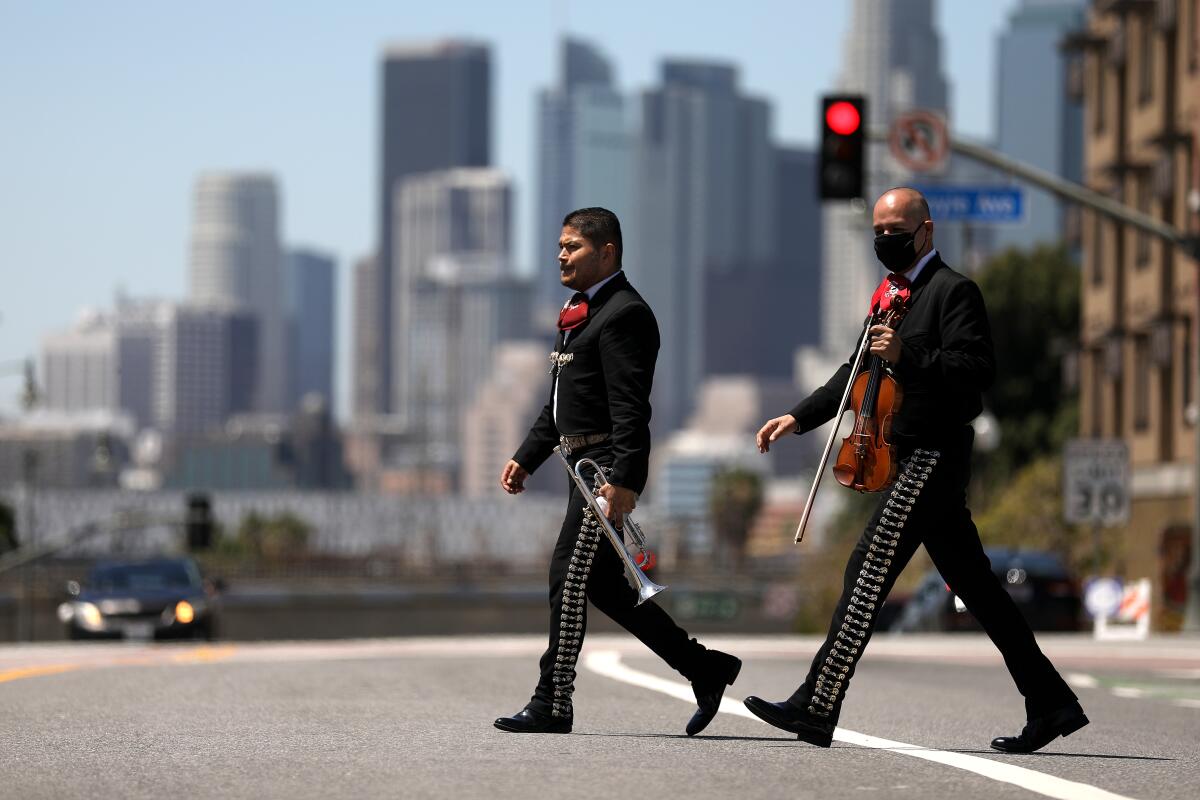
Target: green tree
(1028, 514)
(270, 538)
(734, 500)
(1032, 298)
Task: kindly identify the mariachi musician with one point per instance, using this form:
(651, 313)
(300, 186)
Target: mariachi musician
(598, 407)
(941, 355)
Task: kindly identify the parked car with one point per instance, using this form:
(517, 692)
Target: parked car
(161, 598)
(1044, 590)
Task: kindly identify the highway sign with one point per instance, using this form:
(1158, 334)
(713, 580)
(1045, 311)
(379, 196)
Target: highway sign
(986, 204)
(920, 140)
(1096, 481)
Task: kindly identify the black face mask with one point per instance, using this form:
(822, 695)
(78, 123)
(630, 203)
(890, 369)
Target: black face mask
(897, 251)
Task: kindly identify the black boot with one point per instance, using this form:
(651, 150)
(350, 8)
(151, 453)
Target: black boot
(722, 671)
(1041, 731)
(529, 721)
(788, 717)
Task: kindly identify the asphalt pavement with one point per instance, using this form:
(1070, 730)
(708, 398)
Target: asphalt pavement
(412, 718)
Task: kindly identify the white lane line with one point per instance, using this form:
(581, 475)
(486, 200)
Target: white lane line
(1081, 680)
(608, 663)
(1131, 692)
(1187, 702)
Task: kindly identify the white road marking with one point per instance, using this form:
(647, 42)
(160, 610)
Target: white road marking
(1131, 692)
(1082, 680)
(608, 663)
(1187, 702)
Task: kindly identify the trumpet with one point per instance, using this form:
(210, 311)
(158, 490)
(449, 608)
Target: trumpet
(645, 587)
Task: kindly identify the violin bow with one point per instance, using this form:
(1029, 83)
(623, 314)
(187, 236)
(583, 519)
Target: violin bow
(837, 419)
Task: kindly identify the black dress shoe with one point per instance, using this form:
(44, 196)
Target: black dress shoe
(723, 671)
(786, 716)
(529, 721)
(1041, 731)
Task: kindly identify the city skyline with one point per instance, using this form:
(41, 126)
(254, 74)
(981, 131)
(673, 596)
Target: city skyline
(206, 111)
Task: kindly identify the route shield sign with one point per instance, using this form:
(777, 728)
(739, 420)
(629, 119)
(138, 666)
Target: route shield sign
(1096, 481)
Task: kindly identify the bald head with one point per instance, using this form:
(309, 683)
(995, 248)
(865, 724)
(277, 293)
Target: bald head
(905, 201)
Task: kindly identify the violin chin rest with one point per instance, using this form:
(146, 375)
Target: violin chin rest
(844, 473)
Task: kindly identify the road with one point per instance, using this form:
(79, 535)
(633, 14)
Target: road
(412, 718)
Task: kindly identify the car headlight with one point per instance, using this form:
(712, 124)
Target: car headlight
(185, 613)
(89, 616)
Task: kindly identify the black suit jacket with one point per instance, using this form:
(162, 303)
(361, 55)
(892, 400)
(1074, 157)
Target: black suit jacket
(605, 387)
(946, 361)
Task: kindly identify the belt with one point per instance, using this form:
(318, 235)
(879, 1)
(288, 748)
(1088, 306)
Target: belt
(569, 443)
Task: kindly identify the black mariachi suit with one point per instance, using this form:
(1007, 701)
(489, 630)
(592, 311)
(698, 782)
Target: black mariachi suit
(604, 387)
(946, 362)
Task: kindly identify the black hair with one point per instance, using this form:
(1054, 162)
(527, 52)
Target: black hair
(599, 226)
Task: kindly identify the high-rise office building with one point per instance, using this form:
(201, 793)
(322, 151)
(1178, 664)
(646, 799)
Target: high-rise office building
(312, 298)
(236, 264)
(706, 199)
(366, 375)
(79, 366)
(467, 306)
(434, 114)
(758, 313)
(460, 213)
(192, 365)
(584, 158)
(1037, 121)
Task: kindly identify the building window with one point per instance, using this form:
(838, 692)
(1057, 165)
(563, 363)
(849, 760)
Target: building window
(1187, 371)
(1142, 198)
(1097, 249)
(1100, 110)
(1141, 382)
(1193, 38)
(1145, 62)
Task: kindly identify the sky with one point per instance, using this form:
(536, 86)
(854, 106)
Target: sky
(109, 111)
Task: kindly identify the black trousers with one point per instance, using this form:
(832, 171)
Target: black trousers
(927, 505)
(585, 568)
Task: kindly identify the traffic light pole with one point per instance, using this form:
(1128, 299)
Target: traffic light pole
(1189, 244)
(1069, 191)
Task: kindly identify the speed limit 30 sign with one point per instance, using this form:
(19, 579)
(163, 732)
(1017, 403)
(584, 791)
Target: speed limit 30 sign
(1096, 481)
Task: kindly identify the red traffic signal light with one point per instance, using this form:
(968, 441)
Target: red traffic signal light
(843, 118)
(843, 148)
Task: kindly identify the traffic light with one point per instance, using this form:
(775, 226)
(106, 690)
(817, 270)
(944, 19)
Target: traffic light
(841, 168)
(199, 522)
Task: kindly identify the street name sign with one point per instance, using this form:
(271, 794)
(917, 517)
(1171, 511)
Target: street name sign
(983, 204)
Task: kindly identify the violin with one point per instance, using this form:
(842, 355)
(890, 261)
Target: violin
(866, 461)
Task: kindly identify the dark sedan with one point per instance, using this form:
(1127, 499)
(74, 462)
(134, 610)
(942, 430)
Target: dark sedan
(162, 598)
(1041, 585)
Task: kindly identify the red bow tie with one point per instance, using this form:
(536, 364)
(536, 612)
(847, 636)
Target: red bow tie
(574, 313)
(892, 289)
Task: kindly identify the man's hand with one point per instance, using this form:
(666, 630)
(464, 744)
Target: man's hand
(512, 479)
(885, 342)
(620, 502)
(768, 433)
